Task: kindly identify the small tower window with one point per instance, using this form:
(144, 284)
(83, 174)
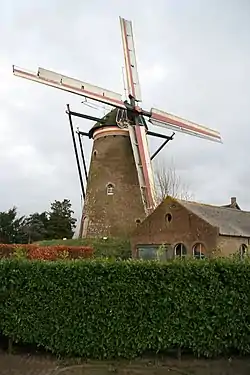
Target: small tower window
(110, 189)
(138, 222)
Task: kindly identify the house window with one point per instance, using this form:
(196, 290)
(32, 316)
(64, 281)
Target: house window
(161, 252)
(180, 250)
(147, 252)
(198, 251)
(110, 189)
(168, 218)
(243, 250)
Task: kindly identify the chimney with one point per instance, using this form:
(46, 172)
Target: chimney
(233, 201)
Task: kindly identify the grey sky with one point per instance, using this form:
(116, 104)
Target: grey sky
(193, 60)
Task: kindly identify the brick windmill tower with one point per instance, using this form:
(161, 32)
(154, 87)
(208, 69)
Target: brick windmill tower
(113, 202)
(120, 185)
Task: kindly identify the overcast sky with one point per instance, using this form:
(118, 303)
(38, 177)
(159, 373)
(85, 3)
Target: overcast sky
(193, 60)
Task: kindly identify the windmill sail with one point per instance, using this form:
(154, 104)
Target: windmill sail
(169, 121)
(130, 60)
(72, 85)
(137, 133)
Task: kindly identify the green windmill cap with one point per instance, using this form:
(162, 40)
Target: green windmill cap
(109, 120)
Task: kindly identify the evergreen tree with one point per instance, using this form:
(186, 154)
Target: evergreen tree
(35, 227)
(61, 224)
(11, 227)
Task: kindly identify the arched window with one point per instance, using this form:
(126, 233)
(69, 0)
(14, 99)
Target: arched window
(138, 222)
(199, 251)
(180, 250)
(243, 250)
(110, 189)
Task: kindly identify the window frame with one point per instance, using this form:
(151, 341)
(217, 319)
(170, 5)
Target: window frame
(201, 254)
(243, 249)
(181, 256)
(110, 188)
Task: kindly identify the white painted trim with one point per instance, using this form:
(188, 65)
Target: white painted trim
(108, 131)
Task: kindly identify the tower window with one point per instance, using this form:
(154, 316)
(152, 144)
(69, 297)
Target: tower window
(110, 189)
(138, 222)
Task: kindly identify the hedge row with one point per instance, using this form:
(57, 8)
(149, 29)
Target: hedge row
(104, 309)
(45, 252)
(112, 248)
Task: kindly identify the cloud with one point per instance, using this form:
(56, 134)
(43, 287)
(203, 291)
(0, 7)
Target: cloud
(154, 74)
(193, 60)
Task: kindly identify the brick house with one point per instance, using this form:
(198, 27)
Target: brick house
(191, 228)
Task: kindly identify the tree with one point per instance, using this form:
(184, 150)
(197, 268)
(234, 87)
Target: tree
(168, 182)
(61, 224)
(11, 227)
(56, 224)
(35, 227)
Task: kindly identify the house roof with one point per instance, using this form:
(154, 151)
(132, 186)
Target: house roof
(229, 221)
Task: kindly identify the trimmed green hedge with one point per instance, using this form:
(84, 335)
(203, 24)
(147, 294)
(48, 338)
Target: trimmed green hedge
(113, 248)
(104, 309)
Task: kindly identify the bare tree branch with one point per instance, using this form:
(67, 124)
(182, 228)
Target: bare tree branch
(168, 182)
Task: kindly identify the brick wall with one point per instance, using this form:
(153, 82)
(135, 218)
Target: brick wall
(112, 162)
(230, 245)
(185, 227)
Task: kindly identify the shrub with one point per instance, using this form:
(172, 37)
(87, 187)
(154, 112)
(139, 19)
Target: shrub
(106, 309)
(20, 252)
(6, 250)
(112, 248)
(45, 252)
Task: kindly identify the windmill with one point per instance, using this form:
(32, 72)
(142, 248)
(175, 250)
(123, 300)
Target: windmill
(126, 122)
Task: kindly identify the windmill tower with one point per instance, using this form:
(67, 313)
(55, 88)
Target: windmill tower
(113, 202)
(120, 187)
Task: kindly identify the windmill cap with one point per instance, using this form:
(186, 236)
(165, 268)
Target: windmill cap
(109, 120)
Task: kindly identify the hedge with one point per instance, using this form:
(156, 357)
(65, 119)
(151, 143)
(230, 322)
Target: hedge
(31, 251)
(110, 247)
(105, 309)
